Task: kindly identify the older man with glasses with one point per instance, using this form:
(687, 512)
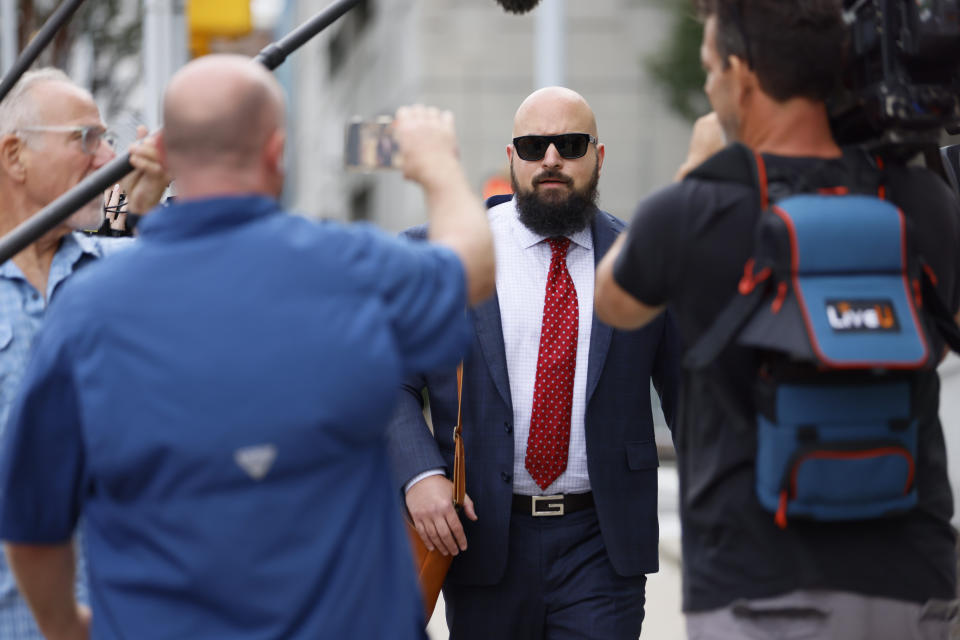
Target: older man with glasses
(561, 514)
(51, 137)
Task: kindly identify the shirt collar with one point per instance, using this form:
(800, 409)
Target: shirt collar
(72, 247)
(10, 270)
(186, 218)
(527, 238)
(85, 243)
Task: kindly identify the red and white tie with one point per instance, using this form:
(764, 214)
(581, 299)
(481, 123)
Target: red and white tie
(549, 439)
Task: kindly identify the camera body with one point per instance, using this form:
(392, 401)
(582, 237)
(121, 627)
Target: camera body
(901, 82)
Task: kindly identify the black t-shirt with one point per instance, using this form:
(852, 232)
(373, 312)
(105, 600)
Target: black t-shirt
(686, 248)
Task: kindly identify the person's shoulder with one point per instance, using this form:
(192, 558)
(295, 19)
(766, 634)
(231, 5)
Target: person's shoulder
(326, 234)
(690, 194)
(610, 221)
(497, 208)
(917, 180)
(926, 198)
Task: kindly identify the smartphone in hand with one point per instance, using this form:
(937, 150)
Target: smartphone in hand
(369, 145)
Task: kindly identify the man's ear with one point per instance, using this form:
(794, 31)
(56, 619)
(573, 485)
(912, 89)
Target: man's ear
(273, 150)
(744, 77)
(509, 153)
(601, 151)
(11, 157)
(162, 156)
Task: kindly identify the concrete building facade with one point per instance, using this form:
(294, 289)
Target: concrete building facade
(473, 58)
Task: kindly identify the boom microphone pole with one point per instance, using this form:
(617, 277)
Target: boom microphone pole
(46, 34)
(97, 182)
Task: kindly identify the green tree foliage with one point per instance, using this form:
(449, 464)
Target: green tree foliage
(112, 28)
(676, 67)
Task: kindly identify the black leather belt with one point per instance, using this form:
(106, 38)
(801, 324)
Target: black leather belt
(556, 505)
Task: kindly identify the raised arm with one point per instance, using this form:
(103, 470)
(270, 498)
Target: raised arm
(613, 305)
(456, 216)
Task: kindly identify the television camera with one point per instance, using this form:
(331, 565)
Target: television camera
(901, 82)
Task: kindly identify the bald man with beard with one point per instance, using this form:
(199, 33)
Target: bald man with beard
(238, 487)
(560, 521)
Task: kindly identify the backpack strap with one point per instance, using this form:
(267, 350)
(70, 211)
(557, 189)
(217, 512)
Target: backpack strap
(741, 164)
(752, 290)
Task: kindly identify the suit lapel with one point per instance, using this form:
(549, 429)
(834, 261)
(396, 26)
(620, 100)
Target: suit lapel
(489, 330)
(603, 236)
(486, 320)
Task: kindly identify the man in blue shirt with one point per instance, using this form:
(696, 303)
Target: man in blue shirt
(240, 486)
(51, 137)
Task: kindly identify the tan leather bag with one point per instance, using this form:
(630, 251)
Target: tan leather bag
(432, 566)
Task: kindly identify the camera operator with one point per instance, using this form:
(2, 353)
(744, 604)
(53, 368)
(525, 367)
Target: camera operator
(769, 66)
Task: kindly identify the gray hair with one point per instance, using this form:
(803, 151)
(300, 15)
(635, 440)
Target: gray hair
(17, 109)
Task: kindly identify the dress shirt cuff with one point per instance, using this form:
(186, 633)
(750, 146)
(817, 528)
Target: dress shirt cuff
(417, 478)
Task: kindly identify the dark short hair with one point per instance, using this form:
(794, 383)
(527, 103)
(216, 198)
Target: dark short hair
(796, 47)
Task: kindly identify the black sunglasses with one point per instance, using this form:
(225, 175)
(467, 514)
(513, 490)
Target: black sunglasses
(569, 145)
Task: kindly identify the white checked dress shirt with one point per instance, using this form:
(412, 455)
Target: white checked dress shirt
(523, 262)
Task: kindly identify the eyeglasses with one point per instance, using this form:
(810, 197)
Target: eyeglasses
(569, 145)
(91, 135)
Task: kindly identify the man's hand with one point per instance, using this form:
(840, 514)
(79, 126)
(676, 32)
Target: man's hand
(116, 219)
(145, 185)
(430, 503)
(707, 138)
(427, 143)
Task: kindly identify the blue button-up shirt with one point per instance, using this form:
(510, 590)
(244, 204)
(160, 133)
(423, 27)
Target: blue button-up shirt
(22, 308)
(239, 486)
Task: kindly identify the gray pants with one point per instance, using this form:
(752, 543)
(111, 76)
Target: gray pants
(828, 615)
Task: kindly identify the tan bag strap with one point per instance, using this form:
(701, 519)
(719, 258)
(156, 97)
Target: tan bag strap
(459, 474)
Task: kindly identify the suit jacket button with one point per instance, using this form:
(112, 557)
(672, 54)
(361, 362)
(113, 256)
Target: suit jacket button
(506, 476)
(507, 427)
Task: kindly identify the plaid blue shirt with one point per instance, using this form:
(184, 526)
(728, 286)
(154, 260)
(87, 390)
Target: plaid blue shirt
(21, 313)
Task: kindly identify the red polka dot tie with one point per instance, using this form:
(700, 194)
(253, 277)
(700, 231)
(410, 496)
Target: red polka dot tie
(549, 439)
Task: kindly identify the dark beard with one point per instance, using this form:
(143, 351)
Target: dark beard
(546, 218)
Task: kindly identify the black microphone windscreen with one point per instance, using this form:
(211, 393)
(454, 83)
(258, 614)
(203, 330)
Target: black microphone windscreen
(518, 6)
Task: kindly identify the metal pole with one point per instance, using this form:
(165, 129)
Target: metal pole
(37, 45)
(152, 53)
(96, 183)
(8, 34)
(549, 46)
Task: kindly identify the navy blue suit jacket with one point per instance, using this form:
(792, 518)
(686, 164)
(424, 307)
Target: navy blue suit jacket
(621, 453)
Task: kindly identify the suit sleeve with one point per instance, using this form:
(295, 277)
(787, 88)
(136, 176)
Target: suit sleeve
(666, 369)
(412, 446)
